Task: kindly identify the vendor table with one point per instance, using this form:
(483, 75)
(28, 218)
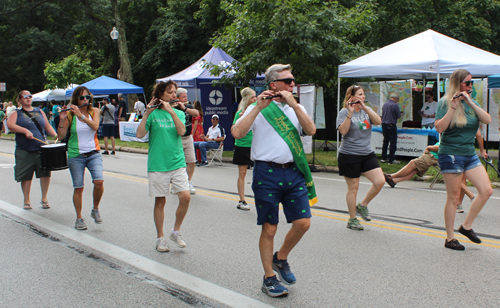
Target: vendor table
(411, 141)
(128, 132)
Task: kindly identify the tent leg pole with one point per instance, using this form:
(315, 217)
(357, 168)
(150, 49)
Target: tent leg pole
(338, 110)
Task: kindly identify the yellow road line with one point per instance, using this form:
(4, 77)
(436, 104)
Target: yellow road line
(5, 154)
(325, 214)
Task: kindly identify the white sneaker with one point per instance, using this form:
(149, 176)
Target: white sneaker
(460, 209)
(177, 238)
(192, 191)
(242, 205)
(162, 245)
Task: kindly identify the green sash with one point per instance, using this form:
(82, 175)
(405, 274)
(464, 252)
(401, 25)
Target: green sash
(285, 128)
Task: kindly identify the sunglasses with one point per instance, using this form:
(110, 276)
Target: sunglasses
(468, 82)
(287, 81)
(87, 97)
(26, 96)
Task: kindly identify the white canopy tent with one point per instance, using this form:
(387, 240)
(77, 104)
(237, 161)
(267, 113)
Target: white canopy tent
(427, 55)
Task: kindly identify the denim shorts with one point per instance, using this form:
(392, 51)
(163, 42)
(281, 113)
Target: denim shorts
(458, 163)
(77, 168)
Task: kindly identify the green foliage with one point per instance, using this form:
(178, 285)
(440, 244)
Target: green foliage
(71, 69)
(313, 36)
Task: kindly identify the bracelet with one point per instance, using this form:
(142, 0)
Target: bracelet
(453, 108)
(60, 127)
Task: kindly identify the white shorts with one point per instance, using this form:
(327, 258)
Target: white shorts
(159, 182)
(188, 146)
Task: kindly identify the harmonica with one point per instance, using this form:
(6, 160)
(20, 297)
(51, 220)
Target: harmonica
(159, 105)
(273, 96)
(66, 109)
(457, 96)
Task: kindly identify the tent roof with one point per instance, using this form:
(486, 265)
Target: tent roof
(195, 71)
(56, 94)
(422, 56)
(107, 85)
(494, 81)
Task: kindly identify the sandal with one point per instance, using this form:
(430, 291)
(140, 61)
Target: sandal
(27, 206)
(45, 205)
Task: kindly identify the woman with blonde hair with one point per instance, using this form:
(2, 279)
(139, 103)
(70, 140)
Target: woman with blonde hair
(356, 156)
(242, 147)
(457, 118)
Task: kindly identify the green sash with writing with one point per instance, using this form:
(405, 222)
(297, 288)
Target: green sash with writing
(285, 128)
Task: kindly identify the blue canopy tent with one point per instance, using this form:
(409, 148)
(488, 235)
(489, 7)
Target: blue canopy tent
(214, 99)
(106, 85)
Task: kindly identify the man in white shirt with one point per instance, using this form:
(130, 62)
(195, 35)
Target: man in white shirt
(214, 137)
(428, 111)
(277, 176)
(139, 108)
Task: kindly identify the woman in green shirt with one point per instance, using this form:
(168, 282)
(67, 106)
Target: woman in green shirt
(457, 118)
(242, 147)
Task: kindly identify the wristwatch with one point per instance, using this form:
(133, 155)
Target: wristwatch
(82, 117)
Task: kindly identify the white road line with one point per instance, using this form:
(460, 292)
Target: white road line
(184, 280)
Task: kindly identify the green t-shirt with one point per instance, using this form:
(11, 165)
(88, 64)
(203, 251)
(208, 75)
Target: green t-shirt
(246, 141)
(458, 140)
(165, 145)
(2, 115)
(435, 154)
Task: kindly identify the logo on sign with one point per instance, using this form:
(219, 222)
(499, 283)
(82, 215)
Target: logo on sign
(215, 97)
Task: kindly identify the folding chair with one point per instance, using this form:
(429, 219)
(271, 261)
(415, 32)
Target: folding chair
(216, 154)
(437, 176)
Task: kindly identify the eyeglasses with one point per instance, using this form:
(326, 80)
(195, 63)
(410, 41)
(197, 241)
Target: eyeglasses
(87, 97)
(27, 96)
(468, 82)
(287, 81)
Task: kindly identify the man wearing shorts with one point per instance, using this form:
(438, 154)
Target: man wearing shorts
(187, 139)
(277, 177)
(108, 125)
(166, 165)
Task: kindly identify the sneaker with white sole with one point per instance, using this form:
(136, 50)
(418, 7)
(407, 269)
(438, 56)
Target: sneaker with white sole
(177, 239)
(460, 209)
(192, 191)
(242, 205)
(162, 245)
(80, 224)
(273, 287)
(96, 215)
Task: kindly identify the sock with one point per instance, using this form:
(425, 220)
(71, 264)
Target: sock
(175, 232)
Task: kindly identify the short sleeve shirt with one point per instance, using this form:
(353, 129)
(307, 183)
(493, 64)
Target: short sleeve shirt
(428, 109)
(246, 141)
(458, 140)
(189, 119)
(165, 145)
(108, 112)
(124, 105)
(357, 141)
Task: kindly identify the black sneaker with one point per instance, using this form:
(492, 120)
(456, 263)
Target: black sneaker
(105, 152)
(469, 234)
(453, 244)
(112, 152)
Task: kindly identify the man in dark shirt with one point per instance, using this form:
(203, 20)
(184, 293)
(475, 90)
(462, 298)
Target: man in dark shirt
(390, 116)
(123, 108)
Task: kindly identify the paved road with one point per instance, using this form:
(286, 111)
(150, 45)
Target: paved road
(398, 260)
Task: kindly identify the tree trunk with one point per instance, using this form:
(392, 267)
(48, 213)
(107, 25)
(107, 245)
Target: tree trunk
(125, 70)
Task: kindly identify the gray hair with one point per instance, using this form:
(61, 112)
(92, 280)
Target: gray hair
(273, 71)
(180, 91)
(120, 95)
(395, 95)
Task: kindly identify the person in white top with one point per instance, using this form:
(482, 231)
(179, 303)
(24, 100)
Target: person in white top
(139, 108)
(276, 177)
(428, 111)
(214, 137)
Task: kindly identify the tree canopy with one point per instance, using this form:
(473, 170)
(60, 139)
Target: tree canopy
(69, 40)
